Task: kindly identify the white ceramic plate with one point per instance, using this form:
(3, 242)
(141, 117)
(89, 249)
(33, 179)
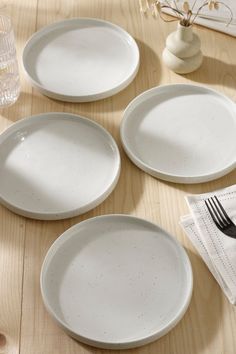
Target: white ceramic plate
(181, 133)
(56, 165)
(81, 59)
(116, 281)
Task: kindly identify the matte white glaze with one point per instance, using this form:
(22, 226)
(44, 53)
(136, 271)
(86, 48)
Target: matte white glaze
(81, 59)
(116, 281)
(181, 133)
(56, 165)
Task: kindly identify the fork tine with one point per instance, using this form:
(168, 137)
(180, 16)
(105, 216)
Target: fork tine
(223, 210)
(220, 217)
(213, 215)
(215, 211)
(219, 212)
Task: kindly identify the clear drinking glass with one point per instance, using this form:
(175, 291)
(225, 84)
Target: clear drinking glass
(9, 72)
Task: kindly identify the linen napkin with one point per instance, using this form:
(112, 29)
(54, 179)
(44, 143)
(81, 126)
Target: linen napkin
(216, 249)
(218, 25)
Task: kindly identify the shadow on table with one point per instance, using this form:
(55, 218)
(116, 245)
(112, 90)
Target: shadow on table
(30, 104)
(126, 195)
(211, 186)
(214, 71)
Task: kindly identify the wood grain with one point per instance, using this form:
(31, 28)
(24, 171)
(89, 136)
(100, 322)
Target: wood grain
(209, 325)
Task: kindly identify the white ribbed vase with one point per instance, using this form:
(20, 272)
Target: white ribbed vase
(182, 53)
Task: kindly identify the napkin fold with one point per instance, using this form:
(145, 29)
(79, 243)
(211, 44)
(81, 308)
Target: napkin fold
(217, 25)
(217, 250)
(222, 16)
(222, 13)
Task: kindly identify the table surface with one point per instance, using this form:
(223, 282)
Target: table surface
(209, 326)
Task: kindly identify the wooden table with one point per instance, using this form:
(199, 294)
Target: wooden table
(209, 325)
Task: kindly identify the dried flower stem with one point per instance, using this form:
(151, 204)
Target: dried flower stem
(231, 12)
(193, 5)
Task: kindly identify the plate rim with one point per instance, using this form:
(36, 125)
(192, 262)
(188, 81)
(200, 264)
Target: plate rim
(35, 37)
(158, 173)
(12, 129)
(126, 344)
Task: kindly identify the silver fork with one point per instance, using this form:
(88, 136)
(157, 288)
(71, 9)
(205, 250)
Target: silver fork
(220, 217)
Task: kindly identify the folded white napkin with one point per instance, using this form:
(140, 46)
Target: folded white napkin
(217, 25)
(222, 13)
(222, 16)
(217, 250)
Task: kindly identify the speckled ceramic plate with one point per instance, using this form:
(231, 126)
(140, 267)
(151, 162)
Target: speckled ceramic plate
(181, 133)
(81, 59)
(56, 165)
(116, 281)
